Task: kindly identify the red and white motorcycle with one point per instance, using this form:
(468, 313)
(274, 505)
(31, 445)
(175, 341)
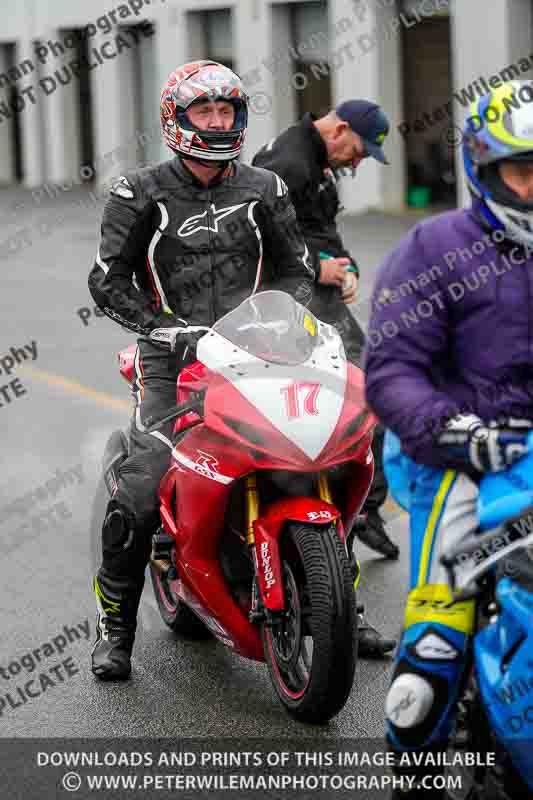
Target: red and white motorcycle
(270, 468)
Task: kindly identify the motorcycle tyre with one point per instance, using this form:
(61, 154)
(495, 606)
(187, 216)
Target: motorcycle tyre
(319, 557)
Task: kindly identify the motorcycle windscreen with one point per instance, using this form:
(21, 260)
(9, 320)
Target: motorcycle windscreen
(291, 371)
(271, 326)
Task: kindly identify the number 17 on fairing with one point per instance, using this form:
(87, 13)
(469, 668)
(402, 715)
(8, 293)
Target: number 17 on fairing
(293, 394)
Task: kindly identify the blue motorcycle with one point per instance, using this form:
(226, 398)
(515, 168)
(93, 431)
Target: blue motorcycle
(496, 707)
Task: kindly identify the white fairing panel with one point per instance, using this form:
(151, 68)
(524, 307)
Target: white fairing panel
(303, 402)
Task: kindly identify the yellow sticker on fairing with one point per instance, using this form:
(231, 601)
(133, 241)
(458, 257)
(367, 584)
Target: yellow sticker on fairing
(309, 325)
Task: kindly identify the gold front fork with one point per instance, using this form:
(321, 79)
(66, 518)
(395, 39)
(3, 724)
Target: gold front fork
(323, 489)
(252, 506)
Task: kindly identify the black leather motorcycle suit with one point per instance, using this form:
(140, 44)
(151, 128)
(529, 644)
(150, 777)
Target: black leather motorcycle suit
(174, 250)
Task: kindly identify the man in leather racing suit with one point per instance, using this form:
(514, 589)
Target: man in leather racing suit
(182, 243)
(449, 370)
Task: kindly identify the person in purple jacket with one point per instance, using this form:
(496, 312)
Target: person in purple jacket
(449, 371)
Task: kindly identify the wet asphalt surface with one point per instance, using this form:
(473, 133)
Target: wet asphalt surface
(61, 409)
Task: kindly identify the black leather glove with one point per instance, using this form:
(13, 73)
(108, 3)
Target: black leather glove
(180, 340)
(487, 448)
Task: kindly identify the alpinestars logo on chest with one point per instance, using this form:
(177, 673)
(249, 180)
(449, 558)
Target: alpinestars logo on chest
(200, 222)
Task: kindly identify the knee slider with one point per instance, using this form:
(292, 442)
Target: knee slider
(118, 531)
(125, 543)
(416, 706)
(409, 700)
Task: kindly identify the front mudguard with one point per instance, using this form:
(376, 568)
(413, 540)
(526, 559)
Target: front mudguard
(267, 530)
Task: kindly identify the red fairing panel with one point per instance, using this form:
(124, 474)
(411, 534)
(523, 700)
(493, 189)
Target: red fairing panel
(267, 530)
(231, 415)
(204, 485)
(126, 360)
(351, 437)
(193, 378)
(201, 486)
(358, 489)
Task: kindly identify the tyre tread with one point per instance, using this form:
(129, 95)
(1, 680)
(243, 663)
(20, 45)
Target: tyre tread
(323, 557)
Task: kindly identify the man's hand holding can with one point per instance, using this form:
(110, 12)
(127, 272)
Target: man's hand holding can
(339, 272)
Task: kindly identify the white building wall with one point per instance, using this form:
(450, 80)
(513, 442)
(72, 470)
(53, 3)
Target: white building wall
(254, 44)
(283, 103)
(172, 44)
(369, 72)
(392, 179)
(34, 157)
(147, 69)
(60, 118)
(7, 144)
(259, 29)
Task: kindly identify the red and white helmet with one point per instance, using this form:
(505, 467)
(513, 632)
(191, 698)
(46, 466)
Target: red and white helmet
(202, 80)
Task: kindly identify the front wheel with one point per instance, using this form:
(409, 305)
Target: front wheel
(311, 651)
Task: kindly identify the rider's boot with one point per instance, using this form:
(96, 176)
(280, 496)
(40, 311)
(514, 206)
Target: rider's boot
(374, 535)
(117, 599)
(116, 622)
(370, 643)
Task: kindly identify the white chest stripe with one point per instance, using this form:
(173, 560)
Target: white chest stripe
(101, 263)
(155, 239)
(305, 260)
(255, 226)
(281, 186)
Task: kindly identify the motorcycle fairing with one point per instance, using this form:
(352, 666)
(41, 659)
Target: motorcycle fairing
(504, 662)
(506, 494)
(246, 401)
(244, 430)
(126, 361)
(265, 385)
(193, 511)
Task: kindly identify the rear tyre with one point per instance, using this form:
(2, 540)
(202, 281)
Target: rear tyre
(174, 612)
(311, 652)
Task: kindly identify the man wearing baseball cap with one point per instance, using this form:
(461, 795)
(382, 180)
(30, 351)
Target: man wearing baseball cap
(367, 121)
(307, 155)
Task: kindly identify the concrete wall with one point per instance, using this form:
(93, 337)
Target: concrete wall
(126, 88)
(7, 138)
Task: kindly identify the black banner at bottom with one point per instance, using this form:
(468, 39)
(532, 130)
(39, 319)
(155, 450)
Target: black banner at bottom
(306, 768)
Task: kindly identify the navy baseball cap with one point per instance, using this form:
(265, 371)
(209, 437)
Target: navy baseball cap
(369, 121)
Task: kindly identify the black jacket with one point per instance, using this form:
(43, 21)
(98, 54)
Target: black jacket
(172, 249)
(299, 157)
